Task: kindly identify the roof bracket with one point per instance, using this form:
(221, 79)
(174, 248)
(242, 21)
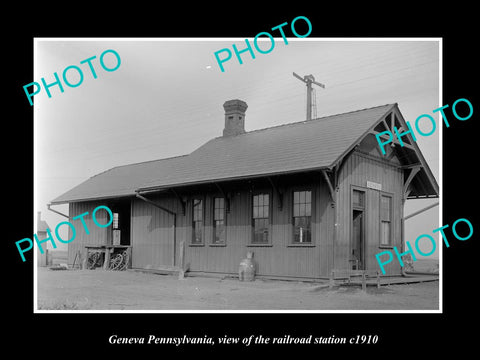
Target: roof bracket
(414, 170)
(57, 212)
(155, 204)
(225, 196)
(277, 191)
(330, 187)
(179, 199)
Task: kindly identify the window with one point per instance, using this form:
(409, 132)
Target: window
(358, 199)
(261, 222)
(385, 220)
(115, 221)
(197, 225)
(302, 217)
(218, 221)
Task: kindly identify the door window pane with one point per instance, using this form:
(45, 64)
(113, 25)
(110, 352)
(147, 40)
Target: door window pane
(358, 198)
(385, 220)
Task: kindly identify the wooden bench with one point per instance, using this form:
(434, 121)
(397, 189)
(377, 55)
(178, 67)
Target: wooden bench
(346, 275)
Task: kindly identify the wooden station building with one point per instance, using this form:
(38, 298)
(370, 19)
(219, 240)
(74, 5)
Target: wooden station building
(305, 198)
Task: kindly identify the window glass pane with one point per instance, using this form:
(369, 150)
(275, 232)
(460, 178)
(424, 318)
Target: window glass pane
(115, 220)
(296, 197)
(302, 210)
(197, 209)
(197, 221)
(219, 210)
(260, 214)
(197, 235)
(302, 230)
(302, 197)
(308, 209)
(386, 207)
(219, 232)
(358, 198)
(308, 196)
(307, 230)
(296, 210)
(260, 206)
(385, 233)
(260, 231)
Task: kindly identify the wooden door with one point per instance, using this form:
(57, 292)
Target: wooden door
(358, 245)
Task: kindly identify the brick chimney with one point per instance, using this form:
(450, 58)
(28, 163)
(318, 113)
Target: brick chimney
(234, 117)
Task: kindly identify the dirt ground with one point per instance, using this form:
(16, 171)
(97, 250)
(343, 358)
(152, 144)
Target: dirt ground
(126, 290)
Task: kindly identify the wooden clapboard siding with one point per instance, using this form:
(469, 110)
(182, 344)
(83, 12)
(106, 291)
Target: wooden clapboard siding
(357, 170)
(96, 236)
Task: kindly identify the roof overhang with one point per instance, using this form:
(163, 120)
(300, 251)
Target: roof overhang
(423, 184)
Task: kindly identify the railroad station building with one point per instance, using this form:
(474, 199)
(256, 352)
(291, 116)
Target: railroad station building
(305, 198)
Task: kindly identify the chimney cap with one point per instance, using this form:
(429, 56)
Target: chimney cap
(235, 105)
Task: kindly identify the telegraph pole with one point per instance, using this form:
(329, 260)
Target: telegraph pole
(309, 80)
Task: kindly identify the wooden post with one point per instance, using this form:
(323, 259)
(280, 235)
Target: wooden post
(181, 274)
(85, 259)
(129, 252)
(106, 263)
(182, 254)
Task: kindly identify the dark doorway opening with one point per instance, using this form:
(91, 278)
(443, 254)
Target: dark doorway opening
(121, 223)
(357, 256)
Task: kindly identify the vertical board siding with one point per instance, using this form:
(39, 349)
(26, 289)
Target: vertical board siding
(356, 171)
(152, 237)
(153, 241)
(96, 236)
(279, 259)
(152, 233)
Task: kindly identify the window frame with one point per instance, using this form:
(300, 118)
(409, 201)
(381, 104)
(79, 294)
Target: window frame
(192, 221)
(252, 229)
(292, 242)
(212, 240)
(116, 222)
(380, 220)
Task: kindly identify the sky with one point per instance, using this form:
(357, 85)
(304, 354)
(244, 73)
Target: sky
(165, 99)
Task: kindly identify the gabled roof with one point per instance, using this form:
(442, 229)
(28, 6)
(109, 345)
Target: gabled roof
(300, 146)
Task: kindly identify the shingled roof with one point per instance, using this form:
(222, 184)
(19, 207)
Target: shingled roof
(294, 147)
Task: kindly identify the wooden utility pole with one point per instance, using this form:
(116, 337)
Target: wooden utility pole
(309, 80)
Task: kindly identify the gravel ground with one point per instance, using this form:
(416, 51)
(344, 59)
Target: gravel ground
(126, 290)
